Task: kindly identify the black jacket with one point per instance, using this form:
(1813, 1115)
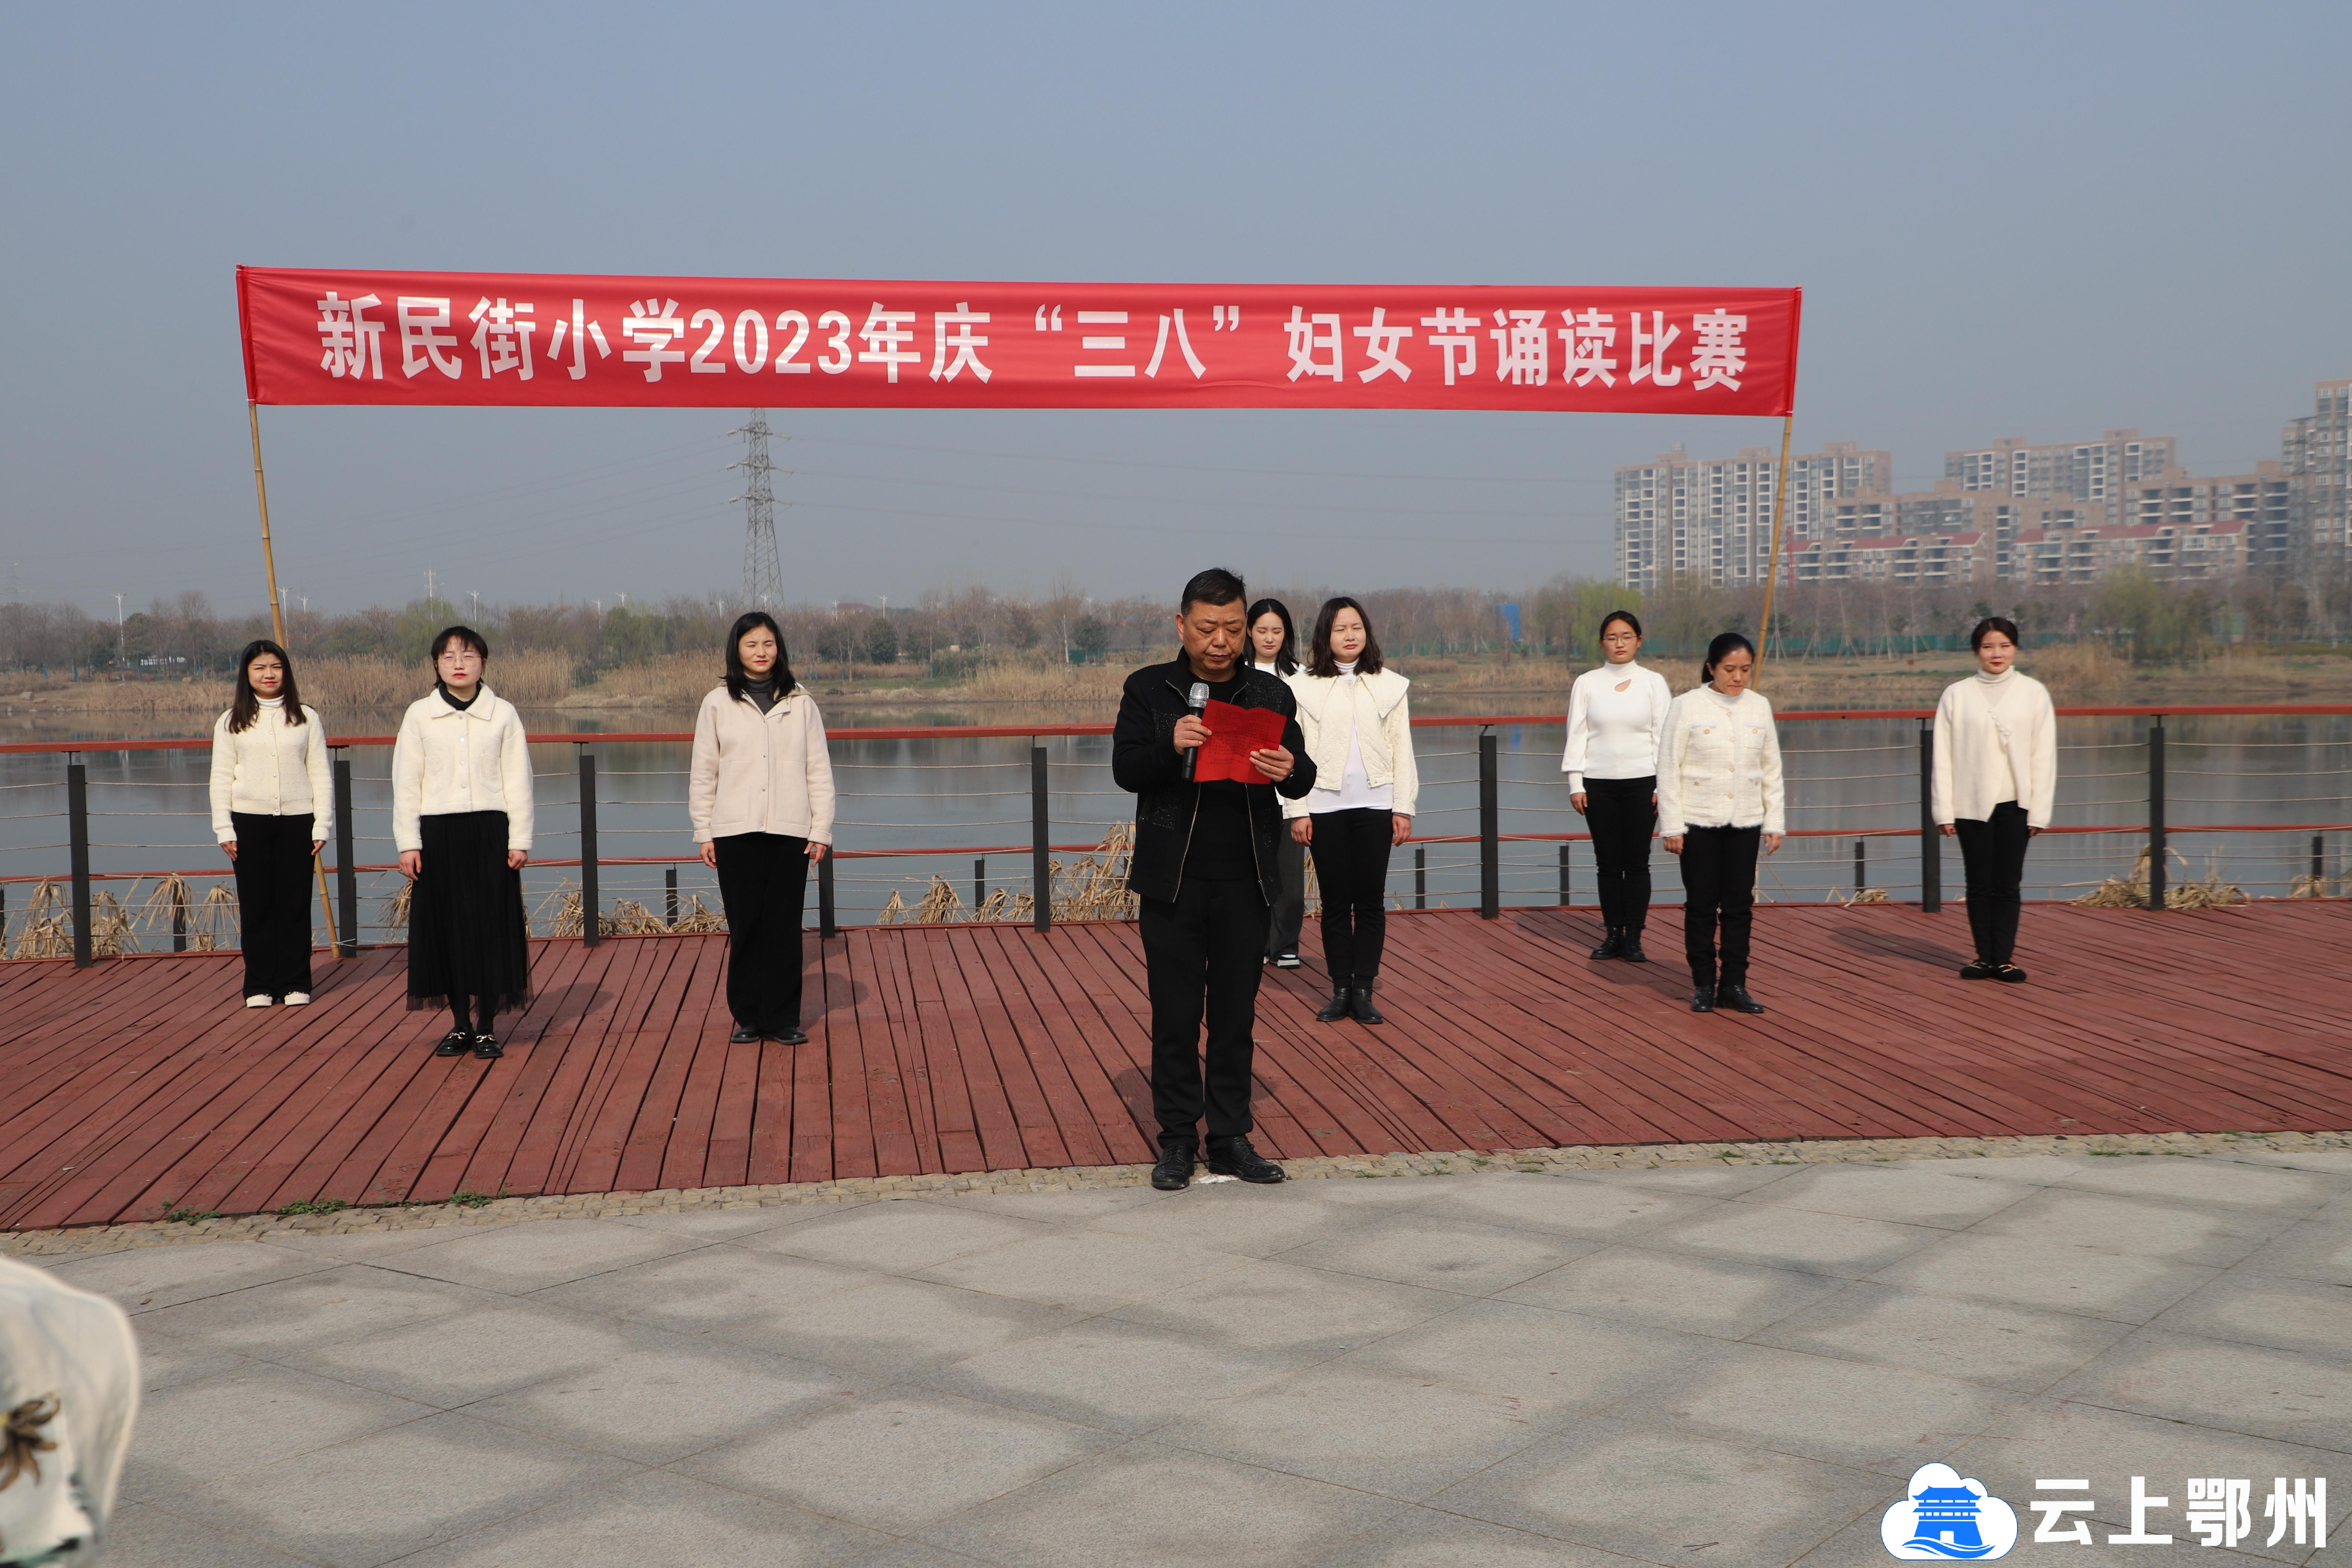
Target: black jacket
(1143, 758)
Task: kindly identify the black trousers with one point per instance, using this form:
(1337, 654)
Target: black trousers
(1993, 851)
(1204, 948)
(1718, 892)
(1282, 930)
(762, 879)
(1621, 815)
(273, 900)
(1352, 868)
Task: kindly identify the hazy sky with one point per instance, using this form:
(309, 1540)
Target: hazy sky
(2042, 219)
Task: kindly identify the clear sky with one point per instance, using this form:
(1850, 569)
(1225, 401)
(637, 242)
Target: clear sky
(2043, 220)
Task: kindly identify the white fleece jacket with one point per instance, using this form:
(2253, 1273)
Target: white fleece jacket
(271, 768)
(760, 773)
(1996, 740)
(446, 762)
(1372, 710)
(1719, 765)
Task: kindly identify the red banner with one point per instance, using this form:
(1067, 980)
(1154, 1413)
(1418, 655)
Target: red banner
(529, 341)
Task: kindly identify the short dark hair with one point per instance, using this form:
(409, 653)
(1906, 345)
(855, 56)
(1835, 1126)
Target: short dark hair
(1215, 586)
(2000, 623)
(1625, 615)
(738, 680)
(246, 706)
(466, 635)
(1320, 661)
(1287, 661)
(1725, 645)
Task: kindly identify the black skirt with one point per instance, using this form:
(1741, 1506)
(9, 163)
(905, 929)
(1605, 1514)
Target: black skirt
(465, 931)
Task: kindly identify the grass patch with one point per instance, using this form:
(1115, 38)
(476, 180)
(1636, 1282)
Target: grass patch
(179, 1214)
(314, 1206)
(472, 1200)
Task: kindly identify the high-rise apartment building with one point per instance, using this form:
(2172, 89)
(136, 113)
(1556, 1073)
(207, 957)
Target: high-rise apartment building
(2317, 458)
(2066, 471)
(2264, 500)
(1712, 517)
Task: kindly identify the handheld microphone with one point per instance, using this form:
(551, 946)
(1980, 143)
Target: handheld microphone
(1197, 699)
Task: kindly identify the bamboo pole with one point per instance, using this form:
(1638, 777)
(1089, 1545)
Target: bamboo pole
(1772, 570)
(278, 630)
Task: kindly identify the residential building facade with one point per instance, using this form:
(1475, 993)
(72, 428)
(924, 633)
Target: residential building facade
(2316, 453)
(1711, 519)
(2064, 471)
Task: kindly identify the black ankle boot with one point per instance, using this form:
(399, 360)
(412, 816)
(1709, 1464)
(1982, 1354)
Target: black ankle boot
(1335, 1009)
(1634, 953)
(1612, 946)
(1359, 1002)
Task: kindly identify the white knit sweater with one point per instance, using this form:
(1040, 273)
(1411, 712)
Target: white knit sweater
(1719, 765)
(1996, 740)
(1615, 716)
(271, 768)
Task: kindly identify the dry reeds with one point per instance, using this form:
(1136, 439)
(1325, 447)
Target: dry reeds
(2131, 892)
(47, 930)
(1093, 888)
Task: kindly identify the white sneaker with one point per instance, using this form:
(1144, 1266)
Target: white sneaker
(256, 1001)
(297, 999)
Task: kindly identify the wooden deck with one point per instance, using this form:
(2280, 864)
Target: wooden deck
(142, 1084)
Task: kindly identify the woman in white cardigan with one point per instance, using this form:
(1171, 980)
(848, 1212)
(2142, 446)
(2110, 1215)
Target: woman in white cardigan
(1615, 716)
(1357, 728)
(1720, 797)
(1996, 780)
(462, 812)
(760, 792)
(272, 808)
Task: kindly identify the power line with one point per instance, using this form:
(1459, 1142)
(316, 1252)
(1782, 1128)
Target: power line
(763, 574)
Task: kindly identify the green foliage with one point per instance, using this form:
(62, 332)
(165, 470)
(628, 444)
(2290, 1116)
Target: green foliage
(881, 641)
(420, 621)
(179, 1214)
(473, 1200)
(1090, 635)
(634, 635)
(837, 642)
(2152, 622)
(314, 1206)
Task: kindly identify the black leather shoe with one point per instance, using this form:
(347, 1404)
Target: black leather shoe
(1736, 997)
(1286, 960)
(1335, 1009)
(2010, 972)
(456, 1043)
(789, 1038)
(1978, 969)
(1234, 1157)
(1612, 946)
(1174, 1174)
(1359, 1002)
(486, 1048)
(1703, 999)
(1634, 953)
(742, 1036)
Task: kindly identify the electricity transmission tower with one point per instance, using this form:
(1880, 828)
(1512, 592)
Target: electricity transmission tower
(763, 574)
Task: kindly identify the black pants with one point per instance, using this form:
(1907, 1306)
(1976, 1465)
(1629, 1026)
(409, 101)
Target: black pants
(1621, 815)
(1352, 868)
(762, 879)
(273, 900)
(1993, 851)
(1204, 947)
(1282, 930)
(1719, 890)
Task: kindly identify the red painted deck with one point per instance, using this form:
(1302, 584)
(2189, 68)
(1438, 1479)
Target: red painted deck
(142, 1083)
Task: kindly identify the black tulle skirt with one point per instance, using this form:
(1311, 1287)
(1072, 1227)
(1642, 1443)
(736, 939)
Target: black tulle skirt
(465, 931)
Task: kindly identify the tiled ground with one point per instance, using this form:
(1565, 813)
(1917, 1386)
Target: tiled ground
(1735, 1366)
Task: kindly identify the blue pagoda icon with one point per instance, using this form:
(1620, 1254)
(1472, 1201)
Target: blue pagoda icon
(1947, 1522)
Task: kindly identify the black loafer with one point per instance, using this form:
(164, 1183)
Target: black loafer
(1736, 997)
(1359, 1002)
(1286, 960)
(1612, 946)
(1703, 999)
(1978, 969)
(1234, 1157)
(1634, 953)
(1334, 1010)
(486, 1048)
(456, 1043)
(742, 1036)
(2009, 973)
(789, 1038)
(1174, 1174)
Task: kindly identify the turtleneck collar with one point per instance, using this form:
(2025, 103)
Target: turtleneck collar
(1728, 701)
(276, 701)
(1347, 669)
(2003, 679)
(451, 698)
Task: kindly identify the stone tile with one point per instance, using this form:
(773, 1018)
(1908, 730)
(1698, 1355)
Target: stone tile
(1084, 1271)
(365, 1246)
(1555, 1365)
(168, 1360)
(1148, 1504)
(1280, 1306)
(1056, 1208)
(2293, 1193)
(2178, 1233)
(1425, 1538)
(1676, 1291)
(1692, 1181)
(2298, 1315)
(1663, 1497)
(898, 1460)
(1443, 1254)
(1807, 1242)
(2039, 1274)
(703, 1289)
(2035, 1170)
(896, 1328)
(1234, 1218)
(454, 1361)
(660, 1404)
(1908, 1194)
(2263, 1393)
(533, 1254)
(1890, 1419)
(143, 1279)
(142, 1537)
(1381, 1195)
(287, 1316)
(2316, 1249)
(1976, 1341)
(226, 1425)
(365, 1502)
(2328, 1161)
(914, 1555)
(1113, 1374)
(727, 1224)
(896, 1238)
(670, 1520)
(1354, 1426)
(1559, 1206)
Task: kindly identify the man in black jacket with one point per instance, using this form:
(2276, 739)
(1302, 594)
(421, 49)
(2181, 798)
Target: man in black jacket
(1205, 870)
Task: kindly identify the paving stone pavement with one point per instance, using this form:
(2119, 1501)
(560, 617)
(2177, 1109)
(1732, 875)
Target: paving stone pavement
(1739, 1365)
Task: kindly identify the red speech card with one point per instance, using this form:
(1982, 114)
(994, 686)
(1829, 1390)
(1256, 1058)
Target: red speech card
(1233, 734)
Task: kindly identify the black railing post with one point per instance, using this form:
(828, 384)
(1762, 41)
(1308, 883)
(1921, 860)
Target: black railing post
(1421, 875)
(78, 836)
(180, 918)
(1861, 865)
(347, 869)
(1564, 888)
(1490, 847)
(669, 897)
(978, 883)
(2318, 864)
(825, 925)
(590, 905)
(1931, 846)
(2155, 814)
(1041, 870)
